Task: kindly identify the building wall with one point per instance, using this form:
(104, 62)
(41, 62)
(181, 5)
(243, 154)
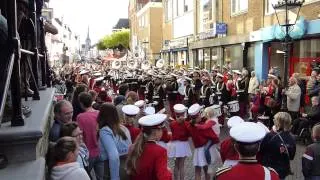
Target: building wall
(309, 11)
(246, 22)
(155, 30)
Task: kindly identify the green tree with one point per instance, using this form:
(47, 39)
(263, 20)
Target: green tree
(119, 39)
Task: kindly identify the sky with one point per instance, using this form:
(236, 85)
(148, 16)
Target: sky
(99, 15)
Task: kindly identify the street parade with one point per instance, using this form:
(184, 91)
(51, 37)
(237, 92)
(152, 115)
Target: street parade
(228, 106)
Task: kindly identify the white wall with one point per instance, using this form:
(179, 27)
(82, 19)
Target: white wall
(183, 25)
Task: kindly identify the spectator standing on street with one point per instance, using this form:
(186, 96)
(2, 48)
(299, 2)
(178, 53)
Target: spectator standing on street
(64, 165)
(278, 147)
(114, 139)
(88, 124)
(62, 114)
(253, 85)
(293, 98)
(72, 130)
(311, 157)
(75, 100)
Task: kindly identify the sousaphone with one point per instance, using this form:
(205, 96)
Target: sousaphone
(160, 63)
(116, 65)
(145, 65)
(132, 64)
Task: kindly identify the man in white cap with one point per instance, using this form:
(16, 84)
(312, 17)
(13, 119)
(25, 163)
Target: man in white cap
(229, 155)
(247, 137)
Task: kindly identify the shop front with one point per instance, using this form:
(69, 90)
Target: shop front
(304, 54)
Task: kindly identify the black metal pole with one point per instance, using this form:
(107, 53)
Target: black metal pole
(285, 59)
(17, 117)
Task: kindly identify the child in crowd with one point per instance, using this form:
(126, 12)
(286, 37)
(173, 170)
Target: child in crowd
(200, 138)
(180, 148)
(310, 159)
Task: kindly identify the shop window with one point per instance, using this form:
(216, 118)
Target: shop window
(200, 58)
(250, 58)
(214, 56)
(239, 6)
(234, 55)
(207, 59)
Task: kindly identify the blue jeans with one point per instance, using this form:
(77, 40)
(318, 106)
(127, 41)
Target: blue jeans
(98, 165)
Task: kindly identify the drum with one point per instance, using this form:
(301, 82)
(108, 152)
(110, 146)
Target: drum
(233, 106)
(211, 99)
(264, 119)
(219, 95)
(216, 110)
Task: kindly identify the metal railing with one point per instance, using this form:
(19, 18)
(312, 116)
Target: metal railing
(17, 54)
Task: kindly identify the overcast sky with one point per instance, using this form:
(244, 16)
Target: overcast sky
(100, 15)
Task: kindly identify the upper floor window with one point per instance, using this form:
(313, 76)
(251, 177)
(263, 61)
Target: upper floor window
(238, 6)
(269, 8)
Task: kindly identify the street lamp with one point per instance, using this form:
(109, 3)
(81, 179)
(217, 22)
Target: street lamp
(285, 8)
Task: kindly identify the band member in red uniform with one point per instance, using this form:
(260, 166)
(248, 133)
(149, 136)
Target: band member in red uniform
(180, 147)
(223, 95)
(200, 137)
(247, 137)
(147, 160)
(229, 155)
(130, 112)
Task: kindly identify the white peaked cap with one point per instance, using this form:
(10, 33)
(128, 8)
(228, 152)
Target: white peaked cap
(130, 110)
(149, 110)
(139, 103)
(236, 71)
(187, 78)
(99, 79)
(234, 120)
(264, 126)
(83, 72)
(247, 132)
(152, 120)
(194, 109)
(179, 108)
(219, 75)
(97, 74)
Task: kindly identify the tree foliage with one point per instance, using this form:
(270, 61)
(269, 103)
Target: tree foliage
(119, 39)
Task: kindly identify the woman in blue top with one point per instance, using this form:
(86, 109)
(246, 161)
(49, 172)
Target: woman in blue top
(114, 140)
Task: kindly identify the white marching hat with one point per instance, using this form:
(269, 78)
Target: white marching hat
(236, 71)
(99, 79)
(247, 132)
(179, 108)
(139, 103)
(234, 120)
(272, 76)
(130, 110)
(194, 109)
(153, 121)
(97, 74)
(220, 75)
(83, 72)
(149, 110)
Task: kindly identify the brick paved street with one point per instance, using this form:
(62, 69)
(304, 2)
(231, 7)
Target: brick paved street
(295, 164)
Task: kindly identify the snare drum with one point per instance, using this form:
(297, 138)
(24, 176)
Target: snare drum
(219, 95)
(233, 106)
(263, 118)
(216, 110)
